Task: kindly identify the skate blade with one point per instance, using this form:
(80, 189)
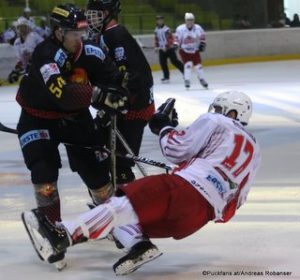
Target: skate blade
(60, 265)
(131, 265)
(40, 244)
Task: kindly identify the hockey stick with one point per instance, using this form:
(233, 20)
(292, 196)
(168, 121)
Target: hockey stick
(129, 151)
(144, 160)
(113, 147)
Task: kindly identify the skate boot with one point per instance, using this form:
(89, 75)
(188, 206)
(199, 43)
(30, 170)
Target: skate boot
(49, 241)
(138, 255)
(187, 84)
(165, 80)
(203, 83)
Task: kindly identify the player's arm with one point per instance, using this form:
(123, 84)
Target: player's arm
(180, 145)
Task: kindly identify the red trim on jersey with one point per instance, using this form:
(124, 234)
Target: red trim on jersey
(78, 52)
(51, 115)
(145, 114)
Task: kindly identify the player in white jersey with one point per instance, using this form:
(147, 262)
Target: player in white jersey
(24, 46)
(217, 162)
(164, 45)
(190, 38)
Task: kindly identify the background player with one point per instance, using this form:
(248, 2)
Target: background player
(190, 38)
(24, 46)
(102, 16)
(55, 97)
(217, 162)
(164, 44)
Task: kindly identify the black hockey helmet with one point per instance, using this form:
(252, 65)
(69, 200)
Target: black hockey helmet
(95, 16)
(68, 16)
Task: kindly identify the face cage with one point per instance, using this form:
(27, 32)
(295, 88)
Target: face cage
(95, 20)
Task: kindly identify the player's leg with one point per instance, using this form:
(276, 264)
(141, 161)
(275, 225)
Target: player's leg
(199, 69)
(187, 66)
(175, 61)
(42, 159)
(132, 131)
(163, 60)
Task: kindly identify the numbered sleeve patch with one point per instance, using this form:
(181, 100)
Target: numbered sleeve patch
(48, 70)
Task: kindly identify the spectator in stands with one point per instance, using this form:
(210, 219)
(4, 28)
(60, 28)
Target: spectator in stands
(241, 22)
(286, 20)
(164, 46)
(295, 22)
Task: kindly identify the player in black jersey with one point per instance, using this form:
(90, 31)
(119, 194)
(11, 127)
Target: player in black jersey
(65, 74)
(102, 16)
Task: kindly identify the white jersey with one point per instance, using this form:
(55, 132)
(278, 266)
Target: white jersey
(24, 49)
(218, 157)
(189, 39)
(163, 37)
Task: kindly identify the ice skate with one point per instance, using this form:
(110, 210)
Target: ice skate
(165, 80)
(138, 255)
(50, 242)
(187, 84)
(203, 83)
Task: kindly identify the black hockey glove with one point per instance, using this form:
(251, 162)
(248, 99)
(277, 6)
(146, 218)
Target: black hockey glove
(202, 46)
(15, 75)
(165, 115)
(110, 99)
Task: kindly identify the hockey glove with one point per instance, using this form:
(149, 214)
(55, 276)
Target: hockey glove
(165, 115)
(15, 75)
(110, 99)
(202, 46)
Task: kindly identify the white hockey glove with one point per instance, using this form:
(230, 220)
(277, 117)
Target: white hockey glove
(110, 99)
(165, 115)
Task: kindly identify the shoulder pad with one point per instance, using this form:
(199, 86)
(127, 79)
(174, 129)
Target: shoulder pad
(94, 51)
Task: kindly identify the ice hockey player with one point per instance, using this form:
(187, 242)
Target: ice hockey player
(164, 45)
(190, 38)
(24, 46)
(102, 16)
(217, 162)
(65, 74)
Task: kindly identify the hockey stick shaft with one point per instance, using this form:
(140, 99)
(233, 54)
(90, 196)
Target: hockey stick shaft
(113, 147)
(144, 160)
(129, 151)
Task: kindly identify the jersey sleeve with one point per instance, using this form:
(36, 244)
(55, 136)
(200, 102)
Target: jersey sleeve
(179, 146)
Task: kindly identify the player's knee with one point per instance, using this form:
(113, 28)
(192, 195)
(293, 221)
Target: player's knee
(188, 65)
(103, 193)
(44, 171)
(46, 194)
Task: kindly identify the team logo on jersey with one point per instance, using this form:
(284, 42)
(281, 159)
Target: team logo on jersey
(34, 135)
(120, 54)
(60, 57)
(92, 50)
(48, 70)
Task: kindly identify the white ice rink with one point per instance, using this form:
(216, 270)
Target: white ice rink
(264, 236)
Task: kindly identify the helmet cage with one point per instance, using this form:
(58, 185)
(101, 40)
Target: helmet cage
(95, 20)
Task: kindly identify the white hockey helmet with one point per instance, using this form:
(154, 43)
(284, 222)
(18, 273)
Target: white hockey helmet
(189, 16)
(236, 101)
(22, 21)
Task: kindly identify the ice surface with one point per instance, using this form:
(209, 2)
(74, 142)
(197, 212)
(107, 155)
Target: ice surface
(264, 235)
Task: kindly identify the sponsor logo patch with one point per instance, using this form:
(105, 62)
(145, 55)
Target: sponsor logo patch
(34, 135)
(120, 54)
(92, 50)
(48, 70)
(216, 182)
(60, 57)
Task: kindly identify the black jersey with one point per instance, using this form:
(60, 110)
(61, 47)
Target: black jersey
(129, 57)
(48, 91)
